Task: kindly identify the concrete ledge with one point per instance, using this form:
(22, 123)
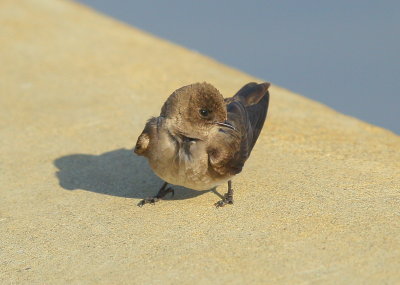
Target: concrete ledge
(318, 202)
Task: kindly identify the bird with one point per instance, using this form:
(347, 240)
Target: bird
(201, 140)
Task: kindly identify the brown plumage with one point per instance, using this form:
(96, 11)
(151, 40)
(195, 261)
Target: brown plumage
(200, 139)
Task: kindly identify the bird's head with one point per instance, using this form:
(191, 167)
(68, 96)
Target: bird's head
(195, 110)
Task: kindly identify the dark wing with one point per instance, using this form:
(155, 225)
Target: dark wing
(255, 98)
(247, 111)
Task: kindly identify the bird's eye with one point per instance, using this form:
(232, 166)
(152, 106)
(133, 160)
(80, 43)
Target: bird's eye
(204, 112)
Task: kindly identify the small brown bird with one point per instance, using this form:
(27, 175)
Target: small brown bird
(201, 140)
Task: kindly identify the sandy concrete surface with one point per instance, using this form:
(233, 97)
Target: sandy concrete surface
(317, 202)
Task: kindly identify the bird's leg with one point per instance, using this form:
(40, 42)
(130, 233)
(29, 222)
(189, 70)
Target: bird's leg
(228, 197)
(161, 194)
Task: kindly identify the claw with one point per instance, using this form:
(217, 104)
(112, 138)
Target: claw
(227, 200)
(160, 195)
(228, 197)
(151, 201)
(170, 190)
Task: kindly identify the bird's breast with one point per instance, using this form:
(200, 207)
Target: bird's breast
(182, 161)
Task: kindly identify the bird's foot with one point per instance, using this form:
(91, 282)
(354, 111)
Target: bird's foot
(228, 199)
(156, 198)
(148, 201)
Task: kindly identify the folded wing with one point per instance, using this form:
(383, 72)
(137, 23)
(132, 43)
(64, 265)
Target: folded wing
(247, 111)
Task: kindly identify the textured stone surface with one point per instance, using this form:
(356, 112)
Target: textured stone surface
(318, 201)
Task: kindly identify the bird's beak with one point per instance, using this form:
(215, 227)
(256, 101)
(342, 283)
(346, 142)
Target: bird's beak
(225, 124)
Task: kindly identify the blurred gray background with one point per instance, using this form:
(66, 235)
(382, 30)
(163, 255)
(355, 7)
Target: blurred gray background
(345, 54)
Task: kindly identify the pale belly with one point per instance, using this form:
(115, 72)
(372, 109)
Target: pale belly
(189, 179)
(187, 167)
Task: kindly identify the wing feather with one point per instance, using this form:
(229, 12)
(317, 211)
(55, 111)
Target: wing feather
(247, 111)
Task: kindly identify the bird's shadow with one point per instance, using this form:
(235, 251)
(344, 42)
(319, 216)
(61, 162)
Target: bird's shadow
(118, 173)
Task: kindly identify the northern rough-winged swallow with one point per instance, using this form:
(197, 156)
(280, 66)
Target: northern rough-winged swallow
(201, 140)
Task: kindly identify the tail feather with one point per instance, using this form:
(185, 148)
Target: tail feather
(257, 114)
(247, 111)
(255, 99)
